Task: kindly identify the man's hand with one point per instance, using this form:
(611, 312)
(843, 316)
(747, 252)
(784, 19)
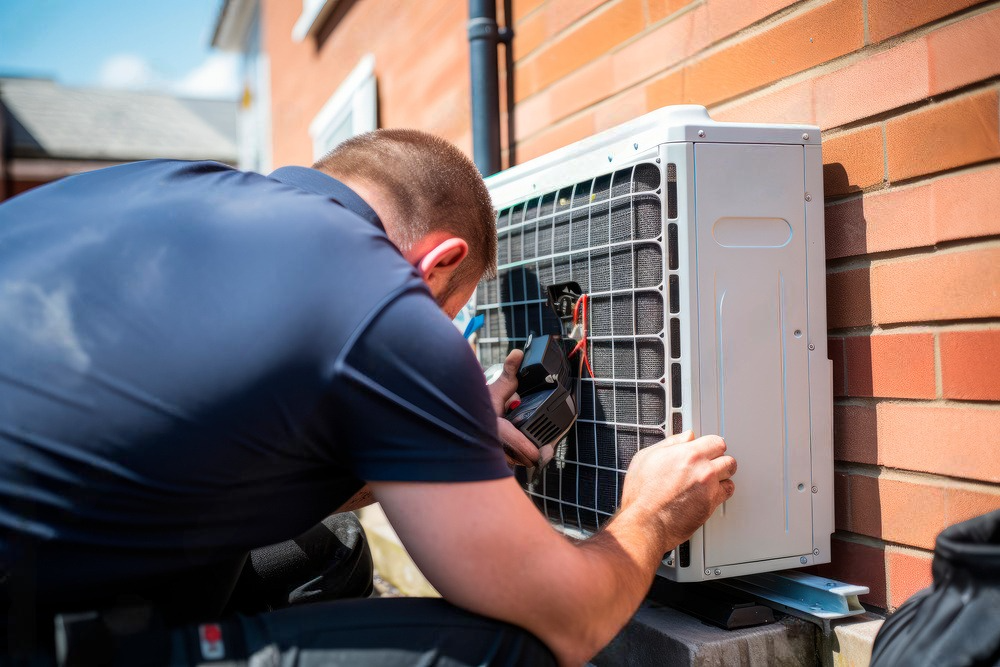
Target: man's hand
(503, 391)
(678, 483)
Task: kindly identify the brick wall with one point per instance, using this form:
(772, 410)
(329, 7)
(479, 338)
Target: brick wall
(906, 93)
(421, 67)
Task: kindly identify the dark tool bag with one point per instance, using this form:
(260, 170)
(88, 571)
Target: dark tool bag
(957, 620)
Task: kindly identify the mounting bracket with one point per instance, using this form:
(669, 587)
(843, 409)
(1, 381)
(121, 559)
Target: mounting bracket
(815, 599)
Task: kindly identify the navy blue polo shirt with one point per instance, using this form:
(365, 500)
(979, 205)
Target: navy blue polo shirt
(196, 361)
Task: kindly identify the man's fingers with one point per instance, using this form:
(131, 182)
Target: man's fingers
(678, 438)
(513, 362)
(729, 487)
(712, 446)
(724, 467)
(504, 386)
(518, 448)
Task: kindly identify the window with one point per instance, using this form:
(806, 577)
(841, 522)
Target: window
(351, 110)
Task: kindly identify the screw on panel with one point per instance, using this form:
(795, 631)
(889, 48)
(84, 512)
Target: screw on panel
(718, 572)
(809, 197)
(815, 489)
(815, 552)
(805, 136)
(635, 146)
(811, 346)
(708, 572)
(701, 133)
(657, 160)
(797, 333)
(803, 560)
(609, 158)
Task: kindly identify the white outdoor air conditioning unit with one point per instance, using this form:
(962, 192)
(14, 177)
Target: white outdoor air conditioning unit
(700, 246)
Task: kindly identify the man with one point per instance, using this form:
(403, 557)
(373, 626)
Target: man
(199, 362)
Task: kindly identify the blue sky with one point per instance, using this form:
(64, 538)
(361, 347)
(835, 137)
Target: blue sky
(132, 44)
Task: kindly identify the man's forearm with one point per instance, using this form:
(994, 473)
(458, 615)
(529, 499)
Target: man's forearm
(619, 565)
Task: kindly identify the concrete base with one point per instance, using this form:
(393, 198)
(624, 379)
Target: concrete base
(659, 635)
(391, 560)
(849, 643)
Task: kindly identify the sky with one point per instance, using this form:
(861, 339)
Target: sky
(123, 44)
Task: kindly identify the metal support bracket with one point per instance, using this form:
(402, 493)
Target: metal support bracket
(815, 599)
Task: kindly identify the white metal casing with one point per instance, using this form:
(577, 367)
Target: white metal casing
(746, 284)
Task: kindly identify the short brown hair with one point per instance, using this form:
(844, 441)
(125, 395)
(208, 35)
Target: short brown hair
(433, 186)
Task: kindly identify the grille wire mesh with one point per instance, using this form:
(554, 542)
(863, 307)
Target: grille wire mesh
(607, 234)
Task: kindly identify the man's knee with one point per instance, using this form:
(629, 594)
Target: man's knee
(330, 561)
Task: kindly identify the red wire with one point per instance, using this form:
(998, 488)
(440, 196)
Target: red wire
(581, 346)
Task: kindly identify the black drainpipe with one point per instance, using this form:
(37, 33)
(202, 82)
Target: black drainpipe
(483, 39)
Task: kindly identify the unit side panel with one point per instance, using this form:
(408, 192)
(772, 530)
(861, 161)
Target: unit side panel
(820, 367)
(754, 374)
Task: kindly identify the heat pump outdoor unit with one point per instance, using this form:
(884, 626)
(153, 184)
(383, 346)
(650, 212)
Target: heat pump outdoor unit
(700, 247)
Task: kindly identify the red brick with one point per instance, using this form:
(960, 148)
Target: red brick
(520, 9)
(963, 504)
(897, 511)
(871, 86)
(730, 16)
(660, 48)
(665, 90)
(788, 104)
(940, 286)
(907, 573)
(959, 442)
(956, 206)
(853, 161)
(964, 52)
(865, 505)
(661, 9)
(590, 39)
(554, 17)
(858, 564)
(891, 365)
(575, 92)
(791, 46)
(892, 17)
(835, 348)
(529, 35)
(942, 136)
(621, 108)
(966, 205)
(841, 501)
(970, 363)
(848, 298)
(855, 434)
(558, 136)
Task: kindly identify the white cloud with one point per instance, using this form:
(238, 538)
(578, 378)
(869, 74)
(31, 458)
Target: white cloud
(218, 77)
(127, 70)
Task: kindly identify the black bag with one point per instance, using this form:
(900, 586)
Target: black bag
(957, 620)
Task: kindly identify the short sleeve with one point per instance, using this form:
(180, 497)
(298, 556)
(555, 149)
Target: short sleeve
(414, 400)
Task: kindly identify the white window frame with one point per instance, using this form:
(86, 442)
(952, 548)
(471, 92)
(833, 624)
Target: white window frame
(314, 12)
(356, 98)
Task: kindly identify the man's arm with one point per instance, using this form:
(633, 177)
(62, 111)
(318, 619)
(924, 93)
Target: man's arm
(486, 548)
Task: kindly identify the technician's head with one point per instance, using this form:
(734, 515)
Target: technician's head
(432, 201)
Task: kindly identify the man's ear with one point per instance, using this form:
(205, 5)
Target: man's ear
(439, 262)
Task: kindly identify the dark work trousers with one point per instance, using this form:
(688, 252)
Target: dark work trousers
(329, 562)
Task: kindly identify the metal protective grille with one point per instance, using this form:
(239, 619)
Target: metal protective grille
(607, 234)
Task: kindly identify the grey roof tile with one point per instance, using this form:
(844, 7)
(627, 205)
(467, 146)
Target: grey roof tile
(80, 123)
